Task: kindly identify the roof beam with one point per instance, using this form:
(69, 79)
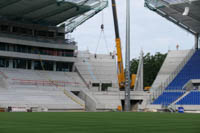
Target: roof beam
(170, 19)
(41, 6)
(192, 16)
(50, 14)
(9, 3)
(71, 15)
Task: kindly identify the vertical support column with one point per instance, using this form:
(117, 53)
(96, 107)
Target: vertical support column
(73, 67)
(32, 65)
(54, 66)
(26, 64)
(100, 86)
(11, 29)
(33, 32)
(11, 47)
(196, 41)
(127, 81)
(10, 63)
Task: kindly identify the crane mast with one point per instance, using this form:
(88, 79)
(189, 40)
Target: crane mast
(121, 76)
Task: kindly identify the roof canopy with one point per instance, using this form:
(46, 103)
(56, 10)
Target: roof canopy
(173, 10)
(48, 12)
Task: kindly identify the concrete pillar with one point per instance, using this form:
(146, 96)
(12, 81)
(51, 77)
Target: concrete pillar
(32, 65)
(196, 41)
(100, 86)
(11, 48)
(54, 66)
(33, 32)
(11, 29)
(73, 68)
(10, 63)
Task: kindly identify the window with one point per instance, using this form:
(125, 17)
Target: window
(51, 34)
(95, 84)
(37, 65)
(4, 62)
(105, 86)
(42, 33)
(21, 49)
(29, 64)
(20, 63)
(59, 34)
(64, 66)
(48, 66)
(5, 28)
(16, 29)
(43, 65)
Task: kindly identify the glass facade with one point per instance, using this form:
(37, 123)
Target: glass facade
(35, 33)
(4, 62)
(32, 32)
(36, 50)
(22, 63)
(36, 64)
(4, 47)
(63, 66)
(43, 65)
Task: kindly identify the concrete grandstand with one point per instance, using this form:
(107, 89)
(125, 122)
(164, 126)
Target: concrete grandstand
(42, 70)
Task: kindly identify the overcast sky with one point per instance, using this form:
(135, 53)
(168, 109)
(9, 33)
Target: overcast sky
(149, 31)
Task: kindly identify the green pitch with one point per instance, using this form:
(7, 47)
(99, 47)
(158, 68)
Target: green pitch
(99, 123)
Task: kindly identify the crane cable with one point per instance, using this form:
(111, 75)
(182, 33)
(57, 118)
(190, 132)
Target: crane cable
(102, 34)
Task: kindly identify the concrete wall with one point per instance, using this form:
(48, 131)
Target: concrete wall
(90, 101)
(172, 61)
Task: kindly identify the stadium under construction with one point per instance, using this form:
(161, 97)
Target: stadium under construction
(43, 71)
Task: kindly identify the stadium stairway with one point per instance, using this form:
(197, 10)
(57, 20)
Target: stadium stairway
(65, 90)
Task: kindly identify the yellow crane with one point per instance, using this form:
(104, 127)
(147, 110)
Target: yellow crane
(121, 75)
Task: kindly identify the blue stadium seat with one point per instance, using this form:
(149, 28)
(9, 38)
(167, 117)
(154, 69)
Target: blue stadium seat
(175, 89)
(167, 98)
(190, 71)
(193, 98)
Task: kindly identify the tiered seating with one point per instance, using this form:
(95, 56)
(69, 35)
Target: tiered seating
(167, 98)
(95, 70)
(28, 88)
(34, 98)
(193, 98)
(43, 78)
(190, 71)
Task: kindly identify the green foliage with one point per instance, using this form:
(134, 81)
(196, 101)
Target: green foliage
(152, 65)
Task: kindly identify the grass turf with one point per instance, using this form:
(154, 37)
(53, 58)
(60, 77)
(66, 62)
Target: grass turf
(111, 122)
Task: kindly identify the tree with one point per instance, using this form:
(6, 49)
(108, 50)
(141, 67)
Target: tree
(152, 65)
